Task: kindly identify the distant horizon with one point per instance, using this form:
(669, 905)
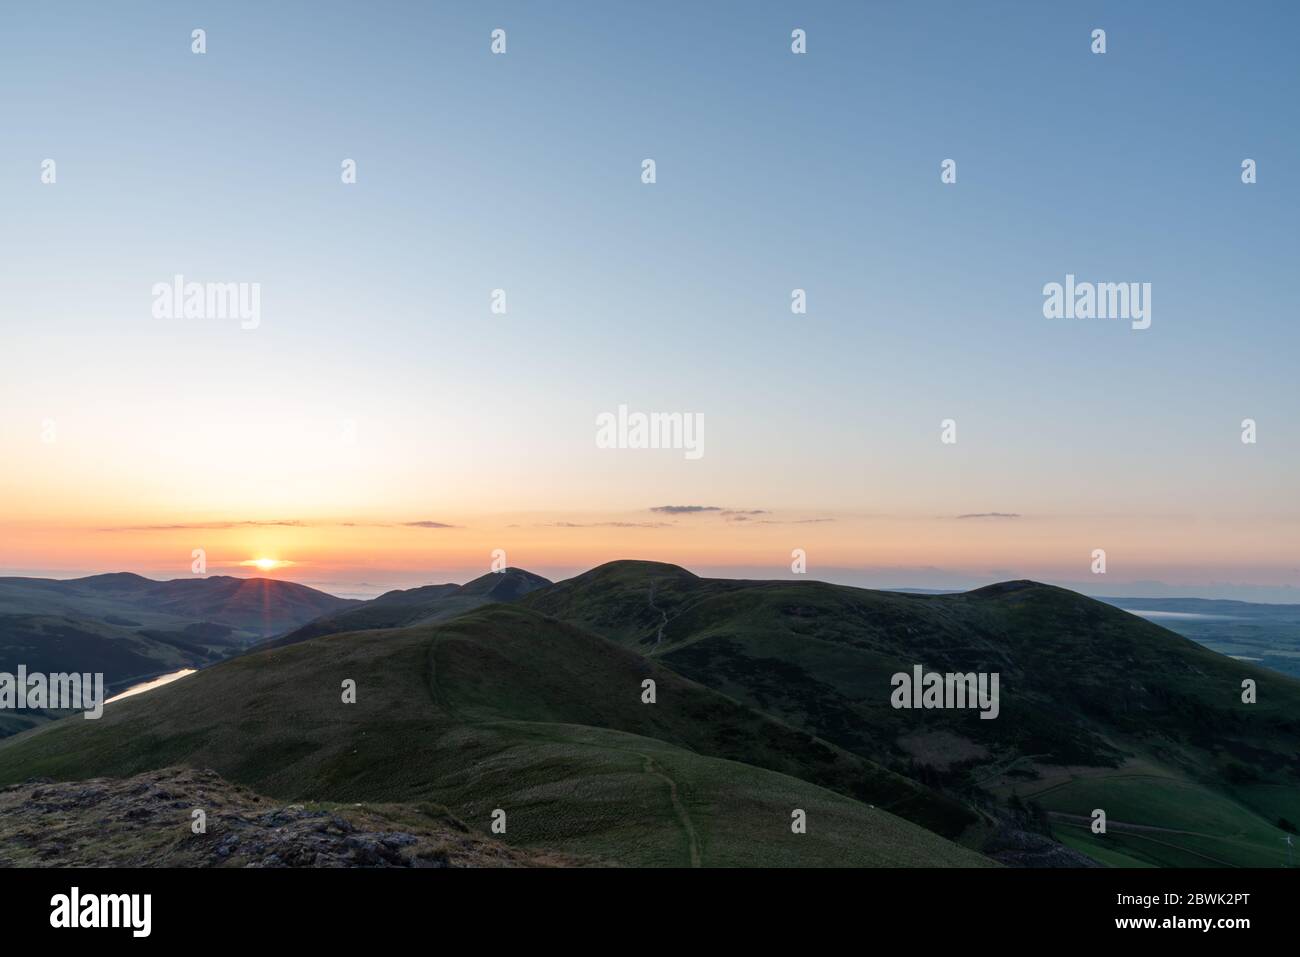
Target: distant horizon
(858, 578)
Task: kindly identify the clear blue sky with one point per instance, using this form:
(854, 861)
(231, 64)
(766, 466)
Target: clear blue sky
(775, 171)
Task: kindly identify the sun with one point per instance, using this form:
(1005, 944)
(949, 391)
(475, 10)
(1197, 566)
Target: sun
(266, 564)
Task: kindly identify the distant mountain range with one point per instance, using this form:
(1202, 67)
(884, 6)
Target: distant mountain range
(256, 607)
(770, 697)
(416, 606)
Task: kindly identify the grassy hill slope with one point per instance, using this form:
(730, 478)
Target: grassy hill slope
(491, 711)
(1082, 684)
(418, 606)
(132, 628)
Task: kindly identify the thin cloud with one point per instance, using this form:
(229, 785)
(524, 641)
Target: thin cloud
(182, 526)
(428, 524)
(210, 526)
(729, 514)
(606, 525)
(990, 515)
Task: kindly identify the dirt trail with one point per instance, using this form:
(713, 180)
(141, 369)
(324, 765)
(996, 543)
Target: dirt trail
(682, 815)
(659, 636)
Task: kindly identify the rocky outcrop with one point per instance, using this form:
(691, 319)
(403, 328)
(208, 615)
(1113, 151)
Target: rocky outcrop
(149, 820)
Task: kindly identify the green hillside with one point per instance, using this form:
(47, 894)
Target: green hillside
(1082, 684)
(418, 606)
(771, 696)
(132, 629)
(503, 708)
(125, 656)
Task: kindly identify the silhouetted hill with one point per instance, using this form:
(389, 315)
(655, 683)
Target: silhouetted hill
(413, 606)
(258, 607)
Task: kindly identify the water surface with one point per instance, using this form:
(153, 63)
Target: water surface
(152, 683)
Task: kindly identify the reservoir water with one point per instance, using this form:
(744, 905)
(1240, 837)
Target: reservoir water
(151, 684)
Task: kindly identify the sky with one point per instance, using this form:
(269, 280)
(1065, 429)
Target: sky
(380, 426)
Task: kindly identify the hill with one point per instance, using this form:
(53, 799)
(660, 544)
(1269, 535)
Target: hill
(133, 629)
(58, 643)
(1086, 690)
(772, 695)
(251, 607)
(504, 708)
(417, 606)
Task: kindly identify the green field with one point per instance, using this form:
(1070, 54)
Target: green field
(1161, 820)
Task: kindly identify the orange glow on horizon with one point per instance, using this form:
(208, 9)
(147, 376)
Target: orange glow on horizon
(435, 545)
(266, 564)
